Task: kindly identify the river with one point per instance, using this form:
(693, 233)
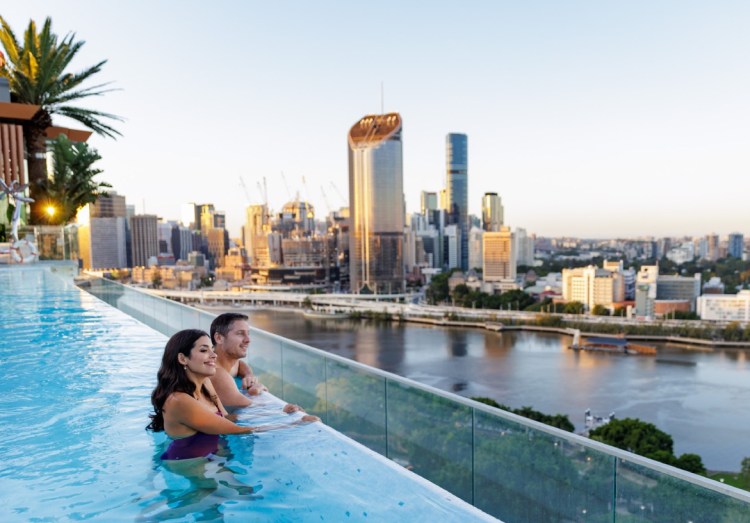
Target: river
(701, 397)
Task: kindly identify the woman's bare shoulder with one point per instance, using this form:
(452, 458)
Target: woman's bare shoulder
(179, 399)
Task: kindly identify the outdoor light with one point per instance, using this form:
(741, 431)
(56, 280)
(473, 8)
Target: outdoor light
(51, 210)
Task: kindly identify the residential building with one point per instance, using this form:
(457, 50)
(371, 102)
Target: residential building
(593, 286)
(736, 245)
(645, 291)
(499, 262)
(452, 246)
(681, 254)
(376, 205)
(524, 247)
(712, 247)
(476, 259)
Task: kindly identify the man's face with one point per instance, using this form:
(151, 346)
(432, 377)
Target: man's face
(235, 343)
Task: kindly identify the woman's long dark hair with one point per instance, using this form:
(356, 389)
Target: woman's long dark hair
(172, 376)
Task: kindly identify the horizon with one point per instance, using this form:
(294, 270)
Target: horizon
(589, 121)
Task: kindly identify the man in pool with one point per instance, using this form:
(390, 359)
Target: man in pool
(230, 334)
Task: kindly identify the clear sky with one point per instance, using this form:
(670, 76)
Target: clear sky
(589, 119)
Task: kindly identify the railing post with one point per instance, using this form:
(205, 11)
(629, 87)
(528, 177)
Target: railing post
(614, 489)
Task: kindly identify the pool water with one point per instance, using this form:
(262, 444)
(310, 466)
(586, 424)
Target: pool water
(74, 401)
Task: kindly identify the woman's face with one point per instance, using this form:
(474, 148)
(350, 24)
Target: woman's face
(202, 360)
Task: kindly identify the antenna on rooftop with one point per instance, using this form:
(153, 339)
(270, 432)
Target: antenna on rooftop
(382, 98)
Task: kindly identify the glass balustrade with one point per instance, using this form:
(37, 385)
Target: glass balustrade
(513, 468)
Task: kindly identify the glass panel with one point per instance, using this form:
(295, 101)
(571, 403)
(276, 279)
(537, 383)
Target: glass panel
(147, 308)
(645, 494)
(174, 318)
(527, 475)
(304, 379)
(205, 320)
(264, 357)
(356, 404)
(190, 317)
(432, 436)
(132, 303)
(157, 315)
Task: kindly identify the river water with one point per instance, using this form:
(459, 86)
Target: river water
(701, 397)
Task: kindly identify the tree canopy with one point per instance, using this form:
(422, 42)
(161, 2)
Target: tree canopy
(644, 439)
(72, 185)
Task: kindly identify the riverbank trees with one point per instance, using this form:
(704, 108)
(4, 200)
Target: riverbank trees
(644, 439)
(561, 421)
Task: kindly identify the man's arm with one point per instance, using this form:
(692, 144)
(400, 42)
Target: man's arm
(228, 392)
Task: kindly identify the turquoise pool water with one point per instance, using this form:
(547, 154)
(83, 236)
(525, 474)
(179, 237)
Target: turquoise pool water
(74, 400)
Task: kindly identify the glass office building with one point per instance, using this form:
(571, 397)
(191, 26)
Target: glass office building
(376, 205)
(457, 190)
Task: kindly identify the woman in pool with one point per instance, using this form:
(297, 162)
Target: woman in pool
(185, 404)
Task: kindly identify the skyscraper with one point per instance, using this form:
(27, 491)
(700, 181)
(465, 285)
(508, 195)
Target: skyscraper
(103, 232)
(428, 201)
(712, 243)
(144, 238)
(492, 212)
(255, 231)
(457, 190)
(735, 245)
(376, 205)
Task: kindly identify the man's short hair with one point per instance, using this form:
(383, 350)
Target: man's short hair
(223, 322)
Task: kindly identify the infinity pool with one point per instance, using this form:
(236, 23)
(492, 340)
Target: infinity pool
(74, 401)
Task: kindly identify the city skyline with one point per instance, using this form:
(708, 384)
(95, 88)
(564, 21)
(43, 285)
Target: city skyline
(587, 121)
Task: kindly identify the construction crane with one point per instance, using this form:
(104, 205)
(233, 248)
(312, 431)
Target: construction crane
(244, 188)
(343, 200)
(307, 191)
(263, 191)
(325, 200)
(286, 186)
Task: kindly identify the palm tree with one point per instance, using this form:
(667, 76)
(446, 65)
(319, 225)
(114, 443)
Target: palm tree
(36, 72)
(72, 185)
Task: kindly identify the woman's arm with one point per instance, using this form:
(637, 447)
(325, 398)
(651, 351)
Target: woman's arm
(183, 409)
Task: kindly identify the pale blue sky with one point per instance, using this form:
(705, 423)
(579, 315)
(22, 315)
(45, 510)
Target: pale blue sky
(590, 119)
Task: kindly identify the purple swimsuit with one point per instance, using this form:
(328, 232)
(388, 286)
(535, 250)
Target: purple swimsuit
(199, 445)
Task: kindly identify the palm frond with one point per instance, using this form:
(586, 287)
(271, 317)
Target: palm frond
(9, 41)
(91, 119)
(37, 74)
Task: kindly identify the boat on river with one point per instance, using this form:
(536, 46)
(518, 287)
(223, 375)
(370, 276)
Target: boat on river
(615, 345)
(323, 314)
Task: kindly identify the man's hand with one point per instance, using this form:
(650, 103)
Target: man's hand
(309, 418)
(291, 408)
(251, 384)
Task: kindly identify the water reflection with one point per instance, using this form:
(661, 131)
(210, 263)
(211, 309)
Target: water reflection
(457, 343)
(691, 394)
